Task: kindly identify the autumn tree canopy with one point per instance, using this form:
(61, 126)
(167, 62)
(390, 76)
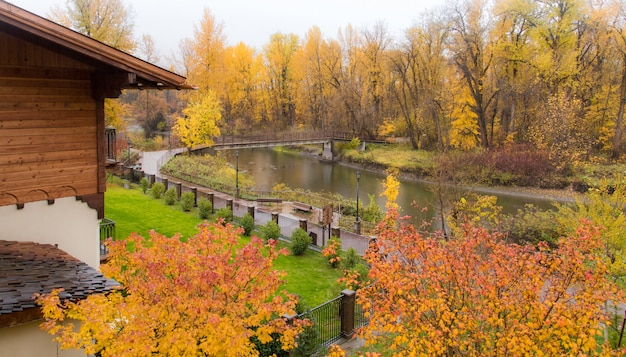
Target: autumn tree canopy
(108, 21)
(476, 295)
(467, 74)
(208, 296)
(199, 125)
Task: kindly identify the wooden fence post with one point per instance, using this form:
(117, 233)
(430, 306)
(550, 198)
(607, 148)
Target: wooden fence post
(275, 217)
(348, 303)
(304, 225)
(194, 190)
(212, 199)
(229, 205)
(251, 211)
(179, 188)
(166, 183)
(313, 236)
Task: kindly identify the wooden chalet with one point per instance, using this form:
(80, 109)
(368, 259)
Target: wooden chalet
(53, 83)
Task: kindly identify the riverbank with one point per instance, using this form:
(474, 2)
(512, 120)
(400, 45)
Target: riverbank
(519, 167)
(562, 195)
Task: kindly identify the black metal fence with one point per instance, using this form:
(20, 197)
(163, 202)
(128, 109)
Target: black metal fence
(360, 319)
(330, 322)
(326, 320)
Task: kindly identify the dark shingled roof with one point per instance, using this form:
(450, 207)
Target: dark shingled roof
(28, 268)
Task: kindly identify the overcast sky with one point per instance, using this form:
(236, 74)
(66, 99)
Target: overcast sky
(254, 21)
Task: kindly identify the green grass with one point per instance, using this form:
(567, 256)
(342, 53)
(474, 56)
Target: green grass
(311, 277)
(308, 276)
(401, 156)
(135, 212)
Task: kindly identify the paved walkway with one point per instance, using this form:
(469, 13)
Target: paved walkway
(150, 159)
(352, 344)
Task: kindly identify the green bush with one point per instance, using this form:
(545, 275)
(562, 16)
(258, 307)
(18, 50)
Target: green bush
(353, 144)
(204, 208)
(531, 225)
(157, 190)
(351, 259)
(271, 348)
(186, 201)
(225, 214)
(300, 241)
(247, 223)
(372, 212)
(170, 196)
(307, 340)
(144, 184)
(271, 230)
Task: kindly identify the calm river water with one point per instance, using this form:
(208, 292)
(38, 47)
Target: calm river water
(269, 167)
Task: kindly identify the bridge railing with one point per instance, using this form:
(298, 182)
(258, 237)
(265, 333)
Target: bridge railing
(276, 136)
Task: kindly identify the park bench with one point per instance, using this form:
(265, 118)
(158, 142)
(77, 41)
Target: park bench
(302, 206)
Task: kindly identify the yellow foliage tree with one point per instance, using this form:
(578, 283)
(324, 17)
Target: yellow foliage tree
(392, 187)
(113, 113)
(477, 210)
(464, 132)
(205, 59)
(108, 21)
(199, 125)
(209, 296)
(477, 295)
(604, 206)
(242, 97)
(279, 83)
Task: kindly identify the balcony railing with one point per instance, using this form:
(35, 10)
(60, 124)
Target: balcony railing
(111, 143)
(107, 230)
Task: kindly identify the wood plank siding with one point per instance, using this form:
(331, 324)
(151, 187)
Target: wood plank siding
(48, 124)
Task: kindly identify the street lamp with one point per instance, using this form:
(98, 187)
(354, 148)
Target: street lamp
(169, 133)
(237, 175)
(357, 223)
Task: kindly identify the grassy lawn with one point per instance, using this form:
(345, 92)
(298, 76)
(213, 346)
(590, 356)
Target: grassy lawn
(135, 212)
(401, 156)
(308, 276)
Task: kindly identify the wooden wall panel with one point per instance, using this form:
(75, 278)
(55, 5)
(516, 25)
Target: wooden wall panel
(17, 52)
(48, 125)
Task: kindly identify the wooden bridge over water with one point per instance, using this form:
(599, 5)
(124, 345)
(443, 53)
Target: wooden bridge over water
(272, 139)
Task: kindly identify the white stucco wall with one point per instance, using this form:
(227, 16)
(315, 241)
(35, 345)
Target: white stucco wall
(67, 222)
(29, 340)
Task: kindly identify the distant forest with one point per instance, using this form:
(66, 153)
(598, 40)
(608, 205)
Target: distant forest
(546, 74)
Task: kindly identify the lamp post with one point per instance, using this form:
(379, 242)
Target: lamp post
(169, 133)
(357, 223)
(237, 174)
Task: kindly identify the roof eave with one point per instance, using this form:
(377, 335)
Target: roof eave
(63, 36)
